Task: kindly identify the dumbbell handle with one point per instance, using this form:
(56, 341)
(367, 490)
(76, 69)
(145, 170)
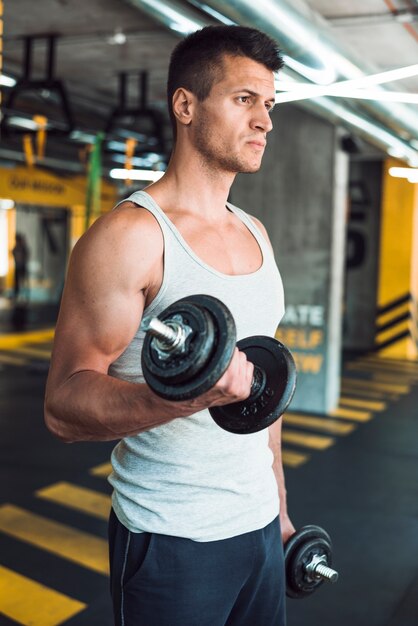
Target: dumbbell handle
(165, 333)
(172, 338)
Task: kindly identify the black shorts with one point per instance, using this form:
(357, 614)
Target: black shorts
(159, 580)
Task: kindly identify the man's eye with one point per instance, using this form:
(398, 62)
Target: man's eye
(243, 98)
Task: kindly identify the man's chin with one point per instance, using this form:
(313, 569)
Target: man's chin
(250, 169)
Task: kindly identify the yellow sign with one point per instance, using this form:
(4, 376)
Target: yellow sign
(34, 186)
(301, 342)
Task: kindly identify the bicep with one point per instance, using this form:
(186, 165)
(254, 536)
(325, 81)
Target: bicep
(102, 304)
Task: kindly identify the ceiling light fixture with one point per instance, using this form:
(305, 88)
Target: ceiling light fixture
(123, 174)
(6, 204)
(118, 38)
(310, 91)
(7, 81)
(409, 173)
(300, 91)
(178, 22)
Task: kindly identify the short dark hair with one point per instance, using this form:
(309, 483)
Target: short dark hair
(196, 61)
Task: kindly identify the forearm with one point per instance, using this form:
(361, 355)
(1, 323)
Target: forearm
(94, 406)
(275, 443)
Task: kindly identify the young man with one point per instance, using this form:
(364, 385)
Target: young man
(194, 532)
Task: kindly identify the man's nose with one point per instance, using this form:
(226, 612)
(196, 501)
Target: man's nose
(262, 120)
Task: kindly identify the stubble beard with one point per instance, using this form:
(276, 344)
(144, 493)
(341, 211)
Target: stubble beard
(215, 156)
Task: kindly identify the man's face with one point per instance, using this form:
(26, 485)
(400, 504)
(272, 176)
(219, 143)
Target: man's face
(230, 126)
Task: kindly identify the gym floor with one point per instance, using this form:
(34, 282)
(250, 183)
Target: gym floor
(355, 473)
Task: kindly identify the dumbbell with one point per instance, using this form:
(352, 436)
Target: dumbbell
(308, 557)
(189, 346)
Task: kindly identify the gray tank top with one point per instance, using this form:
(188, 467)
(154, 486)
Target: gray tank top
(189, 478)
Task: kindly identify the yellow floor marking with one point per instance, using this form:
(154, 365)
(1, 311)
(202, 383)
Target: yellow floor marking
(351, 414)
(35, 352)
(394, 362)
(319, 423)
(294, 459)
(11, 341)
(64, 541)
(399, 379)
(102, 471)
(349, 390)
(12, 360)
(32, 604)
(363, 404)
(369, 384)
(375, 371)
(318, 442)
(80, 498)
(386, 367)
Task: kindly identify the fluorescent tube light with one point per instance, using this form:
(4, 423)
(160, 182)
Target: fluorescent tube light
(310, 91)
(409, 173)
(179, 22)
(346, 88)
(7, 81)
(6, 204)
(123, 174)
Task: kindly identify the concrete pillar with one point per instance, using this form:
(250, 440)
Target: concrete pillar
(362, 258)
(396, 327)
(300, 195)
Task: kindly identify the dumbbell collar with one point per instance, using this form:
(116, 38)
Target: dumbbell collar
(317, 569)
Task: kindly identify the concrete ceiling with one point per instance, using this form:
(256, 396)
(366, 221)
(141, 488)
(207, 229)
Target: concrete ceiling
(382, 32)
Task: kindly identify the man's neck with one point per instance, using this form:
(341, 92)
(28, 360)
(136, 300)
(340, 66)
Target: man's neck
(193, 185)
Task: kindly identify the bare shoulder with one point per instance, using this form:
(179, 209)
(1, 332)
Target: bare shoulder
(128, 237)
(126, 224)
(262, 229)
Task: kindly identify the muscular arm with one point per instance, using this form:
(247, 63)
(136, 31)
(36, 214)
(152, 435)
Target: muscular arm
(110, 273)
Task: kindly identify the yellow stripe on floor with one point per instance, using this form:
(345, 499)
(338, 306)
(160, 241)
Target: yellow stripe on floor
(317, 442)
(319, 423)
(79, 498)
(351, 414)
(32, 604)
(369, 384)
(391, 379)
(363, 404)
(11, 341)
(33, 352)
(375, 366)
(358, 392)
(9, 359)
(397, 376)
(64, 541)
(102, 471)
(294, 459)
(393, 362)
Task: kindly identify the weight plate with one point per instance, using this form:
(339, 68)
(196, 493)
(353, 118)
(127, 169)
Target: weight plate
(293, 550)
(298, 579)
(251, 416)
(180, 365)
(304, 533)
(216, 359)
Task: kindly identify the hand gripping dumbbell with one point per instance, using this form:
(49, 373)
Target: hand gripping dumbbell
(308, 557)
(189, 346)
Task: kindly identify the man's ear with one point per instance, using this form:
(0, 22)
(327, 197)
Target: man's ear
(183, 105)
